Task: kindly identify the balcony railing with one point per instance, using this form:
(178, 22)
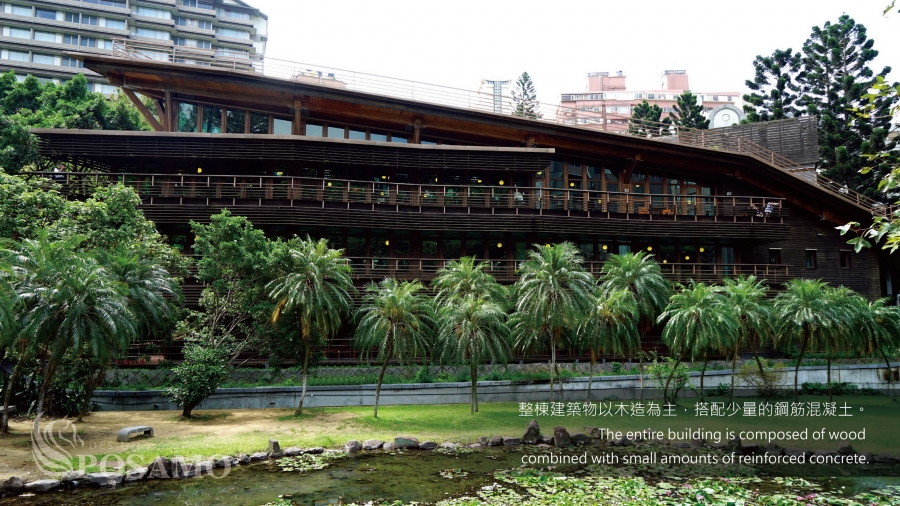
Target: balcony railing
(282, 190)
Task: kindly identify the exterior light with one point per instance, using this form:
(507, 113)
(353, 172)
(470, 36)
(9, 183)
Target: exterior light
(541, 173)
(479, 180)
(605, 247)
(599, 201)
(199, 170)
(383, 177)
(382, 194)
(499, 244)
(665, 261)
(329, 183)
(387, 243)
(687, 257)
(702, 250)
(649, 248)
(500, 182)
(435, 180)
(548, 245)
(572, 185)
(426, 195)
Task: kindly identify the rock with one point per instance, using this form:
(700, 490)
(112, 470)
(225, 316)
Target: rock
(104, 479)
(42, 485)
(580, 438)
(205, 466)
(293, 451)
(543, 445)
(243, 458)
(137, 474)
(483, 440)
(750, 449)
(718, 446)
(596, 432)
(496, 441)
(512, 441)
(826, 453)
(274, 448)
(866, 457)
(844, 448)
(681, 444)
(476, 446)
(388, 446)
(223, 462)
(372, 444)
(315, 450)
(734, 446)
(449, 446)
(405, 442)
(547, 440)
(561, 437)
(161, 468)
(623, 441)
(71, 476)
(532, 433)
(773, 449)
(884, 458)
(352, 446)
(697, 443)
(183, 469)
(259, 456)
(427, 445)
(793, 451)
(11, 485)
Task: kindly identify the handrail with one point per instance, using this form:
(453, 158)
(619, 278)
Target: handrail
(288, 188)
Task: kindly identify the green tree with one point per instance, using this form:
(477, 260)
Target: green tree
(525, 98)
(197, 377)
(775, 87)
(879, 331)
(464, 277)
(28, 205)
(688, 113)
(698, 319)
(804, 314)
(610, 327)
(473, 330)
(640, 275)
(398, 320)
(848, 312)
(317, 290)
(553, 293)
(747, 297)
(645, 121)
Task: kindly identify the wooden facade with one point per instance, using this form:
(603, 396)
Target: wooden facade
(404, 186)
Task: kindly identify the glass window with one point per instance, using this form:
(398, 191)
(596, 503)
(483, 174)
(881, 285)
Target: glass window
(234, 34)
(16, 55)
(118, 24)
(212, 120)
(811, 260)
(775, 256)
(89, 42)
(283, 126)
(45, 36)
(556, 170)
(19, 33)
(89, 20)
(19, 10)
(45, 59)
(187, 117)
(396, 138)
(73, 17)
(313, 130)
(335, 132)
(845, 259)
(153, 13)
(359, 135)
(236, 121)
(70, 39)
(71, 62)
(378, 137)
(44, 13)
(259, 123)
(611, 174)
(151, 34)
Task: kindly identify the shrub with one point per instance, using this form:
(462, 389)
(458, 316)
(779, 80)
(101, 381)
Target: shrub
(659, 372)
(617, 368)
(766, 382)
(723, 390)
(424, 375)
(197, 377)
(815, 388)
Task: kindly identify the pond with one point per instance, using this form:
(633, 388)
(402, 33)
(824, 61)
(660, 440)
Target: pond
(435, 476)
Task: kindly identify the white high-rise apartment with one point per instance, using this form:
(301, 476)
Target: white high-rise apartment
(35, 35)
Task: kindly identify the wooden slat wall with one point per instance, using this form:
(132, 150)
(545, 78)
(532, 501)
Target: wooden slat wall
(796, 139)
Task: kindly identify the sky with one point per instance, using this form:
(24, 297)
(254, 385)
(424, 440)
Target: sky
(459, 42)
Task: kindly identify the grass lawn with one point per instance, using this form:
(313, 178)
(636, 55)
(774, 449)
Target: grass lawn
(245, 431)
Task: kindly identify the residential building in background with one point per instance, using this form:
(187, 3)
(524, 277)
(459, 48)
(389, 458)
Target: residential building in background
(36, 35)
(499, 92)
(607, 104)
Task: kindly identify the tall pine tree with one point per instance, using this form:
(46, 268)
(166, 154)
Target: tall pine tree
(525, 98)
(645, 121)
(688, 113)
(775, 87)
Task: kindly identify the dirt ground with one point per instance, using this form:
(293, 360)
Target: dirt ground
(99, 430)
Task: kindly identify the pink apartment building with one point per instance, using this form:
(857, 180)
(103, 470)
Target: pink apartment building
(607, 104)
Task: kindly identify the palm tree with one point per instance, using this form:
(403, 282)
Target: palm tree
(697, 319)
(473, 330)
(849, 313)
(317, 291)
(463, 277)
(610, 327)
(880, 330)
(9, 325)
(747, 297)
(396, 319)
(151, 292)
(641, 276)
(804, 313)
(554, 292)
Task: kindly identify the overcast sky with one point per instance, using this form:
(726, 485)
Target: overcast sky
(459, 42)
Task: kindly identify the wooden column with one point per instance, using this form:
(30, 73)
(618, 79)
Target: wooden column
(529, 141)
(417, 131)
(171, 118)
(143, 110)
(163, 116)
(297, 126)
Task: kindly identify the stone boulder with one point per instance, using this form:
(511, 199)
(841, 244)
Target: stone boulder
(546, 440)
(274, 448)
(259, 456)
(11, 486)
(42, 485)
(532, 433)
(681, 444)
(496, 441)
(622, 441)
(697, 443)
(734, 446)
(315, 450)
(104, 479)
(372, 444)
(580, 438)
(243, 458)
(137, 474)
(866, 458)
(224, 462)
(161, 468)
(427, 445)
(793, 451)
(449, 446)
(595, 432)
(773, 449)
(826, 453)
(483, 440)
(353, 446)
(511, 441)
(885, 458)
(844, 448)
(403, 442)
(71, 476)
(476, 446)
(182, 468)
(719, 446)
(561, 438)
(293, 451)
(390, 445)
(750, 449)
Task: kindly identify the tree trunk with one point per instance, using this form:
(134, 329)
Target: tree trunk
(387, 356)
(187, 410)
(890, 372)
(552, 367)
(591, 373)
(737, 349)
(4, 428)
(702, 376)
(797, 368)
(50, 370)
(299, 410)
(86, 404)
(641, 377)
(474, 373)
(669, 379)
(829, 378)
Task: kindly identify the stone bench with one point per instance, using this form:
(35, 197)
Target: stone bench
(126, 433)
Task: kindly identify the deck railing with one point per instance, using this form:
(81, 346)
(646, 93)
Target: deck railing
(262, 190)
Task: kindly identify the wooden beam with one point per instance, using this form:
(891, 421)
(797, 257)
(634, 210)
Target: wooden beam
(529, 141)
(297, 125)
(171, 119)
(626, 176)
(154, 124)
(163, 117)
(417, 131)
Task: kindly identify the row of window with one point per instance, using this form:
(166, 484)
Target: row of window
(57, 38)
(812, 258)
(641, 95)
